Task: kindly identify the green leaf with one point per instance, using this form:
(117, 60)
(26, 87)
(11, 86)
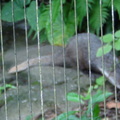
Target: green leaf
(56, 37)
(21, 2)
(43, 36)
(117, 44)
(84, 117)
(100, 96)
(106, 3)
(117, 6)
(29, 117)
(72, 117)
(81, 11)
(117, 33)
(95, 16)
(31, 15)
(64, 116)
(96, 112)
(87, 97)
(63, 1)
(18, 13)
(96, 86)
(107, 38)
(7, 86)
(43, 17)
(55, 9)
(104, 50)
(10, 86)
(70, 24)
(74, 97)
(100, 80)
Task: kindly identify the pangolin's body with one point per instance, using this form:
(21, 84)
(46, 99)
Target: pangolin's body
(71, 58)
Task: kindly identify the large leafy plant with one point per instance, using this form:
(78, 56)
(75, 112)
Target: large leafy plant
(59, 28)
(93, 102)
(108, 41)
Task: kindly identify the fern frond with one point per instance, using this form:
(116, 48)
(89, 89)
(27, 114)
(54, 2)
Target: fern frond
(117, 6)
(81, 11)
(95, 16)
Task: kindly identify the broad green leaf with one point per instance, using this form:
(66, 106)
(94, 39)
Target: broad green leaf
(73, 117)
(107, 38)
(117, 33)
(96, 112)
(43, 18)
(100, 80)
(106, 2)
(31, 15)
(70, 24)
(43, 36)
(55, 37)
(104, 50)
(55, 9)
(21, 2)
(63, 1)
(73, 97)
(84, 117)
(18, 13)
(10, 86)
(64, 116)
(29, 117)
(87, 97)
(117, 44)
(7, 86)
(90, 89)
(100, 96)
(96, 86)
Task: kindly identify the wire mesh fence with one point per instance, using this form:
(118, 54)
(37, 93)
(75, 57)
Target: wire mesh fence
(77, 80)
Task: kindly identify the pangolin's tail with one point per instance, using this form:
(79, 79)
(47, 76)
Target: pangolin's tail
(44, 61)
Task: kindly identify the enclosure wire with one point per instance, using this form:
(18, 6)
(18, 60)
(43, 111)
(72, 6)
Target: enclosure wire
(15, 56)
(114, 59)
(103, 69)
(64, 64)
(77, 57)
(27, 53)
(54, 79)
(3, 68)
(39, 55)
(89, 57)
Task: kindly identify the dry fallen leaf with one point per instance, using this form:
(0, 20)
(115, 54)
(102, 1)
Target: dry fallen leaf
(105, 119)
(113, 104)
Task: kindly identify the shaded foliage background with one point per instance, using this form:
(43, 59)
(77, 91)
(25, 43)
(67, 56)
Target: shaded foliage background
(68, 23)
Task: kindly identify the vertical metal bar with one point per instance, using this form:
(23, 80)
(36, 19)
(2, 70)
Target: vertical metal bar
(27, 52)
(64, 64)
(114, 59)
(39, 55)
(77, 54)
(101, 31)
(89, 57)
(15, 56)
(51, 26)
(3, 68)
